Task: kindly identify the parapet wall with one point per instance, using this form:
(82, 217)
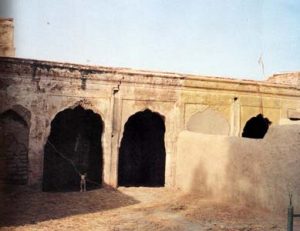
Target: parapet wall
(258, 172)
(291, 79)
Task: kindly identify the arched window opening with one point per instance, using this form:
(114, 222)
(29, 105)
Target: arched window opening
(256, 127)
(142, 153)
(14, 134)
(73, 148)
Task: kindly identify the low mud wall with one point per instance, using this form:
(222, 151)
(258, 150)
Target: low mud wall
(256, 172)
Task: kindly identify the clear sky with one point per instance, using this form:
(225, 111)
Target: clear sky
(206, 37)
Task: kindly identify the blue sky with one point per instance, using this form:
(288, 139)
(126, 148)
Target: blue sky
(206, 37)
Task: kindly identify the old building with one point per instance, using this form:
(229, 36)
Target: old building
(139, 128)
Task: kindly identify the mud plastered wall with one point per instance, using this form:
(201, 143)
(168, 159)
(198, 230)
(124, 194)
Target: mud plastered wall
(256, 172)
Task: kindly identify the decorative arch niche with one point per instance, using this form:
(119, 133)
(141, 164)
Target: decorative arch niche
(14, 138)
(142, 154)
(73, 148)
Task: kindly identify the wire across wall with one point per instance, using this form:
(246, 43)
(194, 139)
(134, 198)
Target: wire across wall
(71, 162)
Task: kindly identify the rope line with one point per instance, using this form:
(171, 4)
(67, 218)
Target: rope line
(71, 162)
(93, 182)
(64, 157)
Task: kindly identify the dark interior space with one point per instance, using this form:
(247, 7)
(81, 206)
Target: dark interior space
(142, 153)
(73, 147)
(294, 119)
(14, 133)
(256, 127)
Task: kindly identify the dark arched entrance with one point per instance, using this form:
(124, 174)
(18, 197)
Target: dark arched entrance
(142, 153)
(256, 127)
(73, 146)
(14, 133)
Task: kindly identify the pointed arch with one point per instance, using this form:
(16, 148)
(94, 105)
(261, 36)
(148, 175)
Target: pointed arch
(14, 138)
(73, 147)
(256, 127)
(142, 154)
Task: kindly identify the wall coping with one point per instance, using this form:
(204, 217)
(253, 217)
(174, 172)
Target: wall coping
(26, 66)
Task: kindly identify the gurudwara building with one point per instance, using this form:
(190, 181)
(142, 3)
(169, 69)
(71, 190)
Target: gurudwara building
(222, 137)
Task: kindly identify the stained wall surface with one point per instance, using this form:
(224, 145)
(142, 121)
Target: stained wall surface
(115, 94)
(256, 172)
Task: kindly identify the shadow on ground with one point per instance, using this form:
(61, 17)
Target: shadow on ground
(24, 205)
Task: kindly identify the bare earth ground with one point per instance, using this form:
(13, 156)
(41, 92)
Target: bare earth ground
(127, 209)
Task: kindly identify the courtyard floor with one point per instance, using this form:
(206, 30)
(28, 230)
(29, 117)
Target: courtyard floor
(127, 209)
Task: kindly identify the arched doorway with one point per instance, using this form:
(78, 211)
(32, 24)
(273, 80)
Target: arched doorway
(142, 154)
(73, 147)
(14, 133)
(256, 127)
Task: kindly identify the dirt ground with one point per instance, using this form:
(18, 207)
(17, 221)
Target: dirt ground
(127, 209)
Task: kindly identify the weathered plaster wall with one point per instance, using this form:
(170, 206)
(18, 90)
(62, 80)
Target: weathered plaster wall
(45, 96)
(46, 88)
(257, 172)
